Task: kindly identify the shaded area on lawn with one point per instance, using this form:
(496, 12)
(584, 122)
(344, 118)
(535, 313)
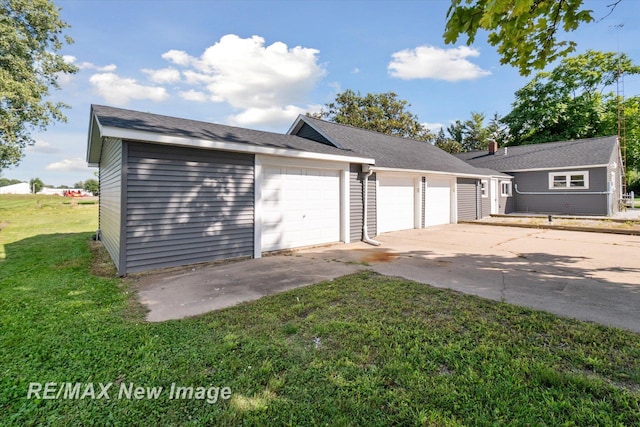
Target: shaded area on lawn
(362, 349)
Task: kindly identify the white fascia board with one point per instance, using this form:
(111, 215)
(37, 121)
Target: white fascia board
(158, 138)
(427, 172)
(558, 168)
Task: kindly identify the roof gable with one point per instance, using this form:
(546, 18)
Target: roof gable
(551, 155)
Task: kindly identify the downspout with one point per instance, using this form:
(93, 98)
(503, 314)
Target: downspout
(365, 233)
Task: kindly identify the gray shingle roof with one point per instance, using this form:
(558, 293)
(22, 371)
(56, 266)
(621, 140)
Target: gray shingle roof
(389, 151)
(166, 125)
(579, 152)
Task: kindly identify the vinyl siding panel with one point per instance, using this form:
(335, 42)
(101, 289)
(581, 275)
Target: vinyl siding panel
(467, 199)
(356, 194)
(555, 202)
(110, 209)
(186, 206)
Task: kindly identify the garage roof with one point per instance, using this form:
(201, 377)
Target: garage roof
(389, 151)
(110, 122)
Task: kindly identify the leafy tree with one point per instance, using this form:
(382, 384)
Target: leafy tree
(78, 184)
(524, 31)
(447, 144)
(476, 134)
(382, 112)
(36, 185)
(92, 186)
(31, 36)
(456, 131)
(572, 101)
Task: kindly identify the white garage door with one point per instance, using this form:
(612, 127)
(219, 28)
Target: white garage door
(300, 207)
(395, 203)
(438, 202)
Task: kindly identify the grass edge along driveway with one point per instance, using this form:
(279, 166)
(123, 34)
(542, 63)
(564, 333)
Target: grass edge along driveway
(362, 349)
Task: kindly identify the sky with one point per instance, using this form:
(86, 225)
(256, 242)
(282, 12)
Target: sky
(258, 64)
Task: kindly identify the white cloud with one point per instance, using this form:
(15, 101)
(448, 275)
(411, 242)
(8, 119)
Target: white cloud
(118, 90)
(249, 75)
(70, 59)
(68, 165)
(270, 116)
(433, 127)
(194, 95)
(177, 57)
(165, 75)
(42, 147)
(429, 62)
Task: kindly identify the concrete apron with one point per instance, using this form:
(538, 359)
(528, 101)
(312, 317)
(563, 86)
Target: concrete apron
(588, 276)
(197, 290)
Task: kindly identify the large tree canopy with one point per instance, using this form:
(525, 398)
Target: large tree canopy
(576, 99)
(382, 112)
(525, 31)
(30, 37)
(570, 101)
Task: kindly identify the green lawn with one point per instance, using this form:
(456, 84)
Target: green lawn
(361, 350)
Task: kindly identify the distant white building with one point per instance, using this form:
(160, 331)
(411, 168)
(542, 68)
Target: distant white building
(21, 188)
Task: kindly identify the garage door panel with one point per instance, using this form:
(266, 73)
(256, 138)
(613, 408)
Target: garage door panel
(395, 203)
(438, 202)
(302, 207)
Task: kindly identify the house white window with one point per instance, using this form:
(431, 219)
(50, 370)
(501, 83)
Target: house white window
(505, 188)
(569, 180)
(484, 188)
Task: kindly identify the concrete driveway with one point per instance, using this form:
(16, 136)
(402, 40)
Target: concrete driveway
(588, 276)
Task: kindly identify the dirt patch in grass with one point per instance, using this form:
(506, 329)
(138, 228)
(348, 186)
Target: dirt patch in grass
(593, 224)
(101, 264)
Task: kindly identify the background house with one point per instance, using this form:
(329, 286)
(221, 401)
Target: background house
(176, 191)
(580, 177)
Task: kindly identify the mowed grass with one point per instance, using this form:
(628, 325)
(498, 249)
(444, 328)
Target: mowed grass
(360, 350)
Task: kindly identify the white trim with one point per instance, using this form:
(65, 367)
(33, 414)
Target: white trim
(345, 206)
(427, 172)
(558, 168)
(158, 138)
(484, 188)
(453, 205)
(509, 191)
(567, 175)
(417, 199)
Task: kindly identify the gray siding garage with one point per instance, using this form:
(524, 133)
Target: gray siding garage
(177, 192)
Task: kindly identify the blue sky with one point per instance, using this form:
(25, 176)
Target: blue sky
(258, 64)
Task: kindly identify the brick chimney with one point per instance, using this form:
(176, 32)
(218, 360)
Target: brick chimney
(493, 146)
